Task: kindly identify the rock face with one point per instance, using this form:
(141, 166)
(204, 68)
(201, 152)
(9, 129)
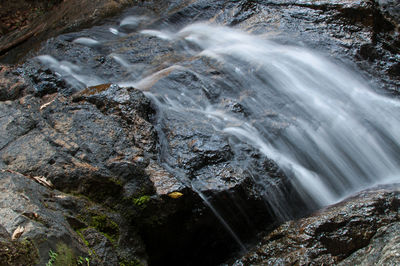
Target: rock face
(34, 208)
(99, 143)
(70, 141)
(11, 84)
(359, 231)
(366, 32)
(110, 171)
(70, 226)
(25, 23)
(132, 183)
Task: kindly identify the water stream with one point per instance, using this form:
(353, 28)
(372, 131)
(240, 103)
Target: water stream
(317, 120)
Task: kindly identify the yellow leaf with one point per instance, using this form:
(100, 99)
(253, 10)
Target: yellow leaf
(18, 232)
(175, 195)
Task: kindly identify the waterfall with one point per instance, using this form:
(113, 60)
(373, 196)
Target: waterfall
(338, 135)
(320, 122)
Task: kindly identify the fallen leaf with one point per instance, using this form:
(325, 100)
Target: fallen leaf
(40, 179)
(45, 105)
(18, 232)
(43, 181)
(175, 195)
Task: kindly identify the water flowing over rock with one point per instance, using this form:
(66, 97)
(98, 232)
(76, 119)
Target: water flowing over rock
(191, 126)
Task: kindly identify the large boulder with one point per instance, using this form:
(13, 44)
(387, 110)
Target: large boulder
(76, 145)
(360, 230)
(99, 143)
(72, 145)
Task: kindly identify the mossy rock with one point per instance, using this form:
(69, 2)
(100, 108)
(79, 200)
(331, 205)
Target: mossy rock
(141, 201)
(18, 253)
(125, 262)
(105, 225)
(65, 256)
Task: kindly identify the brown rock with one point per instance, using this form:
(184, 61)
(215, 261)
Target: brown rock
(358, 230)
(12, 83)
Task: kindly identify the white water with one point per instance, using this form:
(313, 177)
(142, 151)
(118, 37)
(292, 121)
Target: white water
(340, 137)
(335, 135)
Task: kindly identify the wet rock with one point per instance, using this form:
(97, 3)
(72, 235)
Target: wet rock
(142, 50)
(111, 61)
(73, 145)
(45, 20)
(12, 84)
(14, 123)
(102, 247)
(193, 12)
(234, 106)
(4, 235)
(218, 177)
(68, 225)
(46, 82)
(88, 146)
(34, 208)
(107, 143)
(164, 181)
(345, 29)
(130, 104)
(383, 248)
(390, 9)
(193, 143)
(76, 145)
(109, 96)
(354, 231)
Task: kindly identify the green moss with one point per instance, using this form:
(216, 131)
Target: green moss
(91, 251)
(65, 256)
(62, 256)
(141, 201)
(125, 262)
(106, 226)
(79, 232)
(18, 253)
(116, 181)
(83, 261)
(52, 258)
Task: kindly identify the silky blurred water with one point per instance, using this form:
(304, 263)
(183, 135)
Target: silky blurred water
(335, 136)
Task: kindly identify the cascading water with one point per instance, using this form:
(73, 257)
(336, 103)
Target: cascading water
(339, 136)
(318, 121)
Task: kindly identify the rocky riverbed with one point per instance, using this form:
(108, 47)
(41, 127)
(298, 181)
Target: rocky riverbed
(98, 175)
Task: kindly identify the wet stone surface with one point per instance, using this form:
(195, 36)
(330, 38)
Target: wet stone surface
(355, 231)
(72, 124)
(99, 143)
